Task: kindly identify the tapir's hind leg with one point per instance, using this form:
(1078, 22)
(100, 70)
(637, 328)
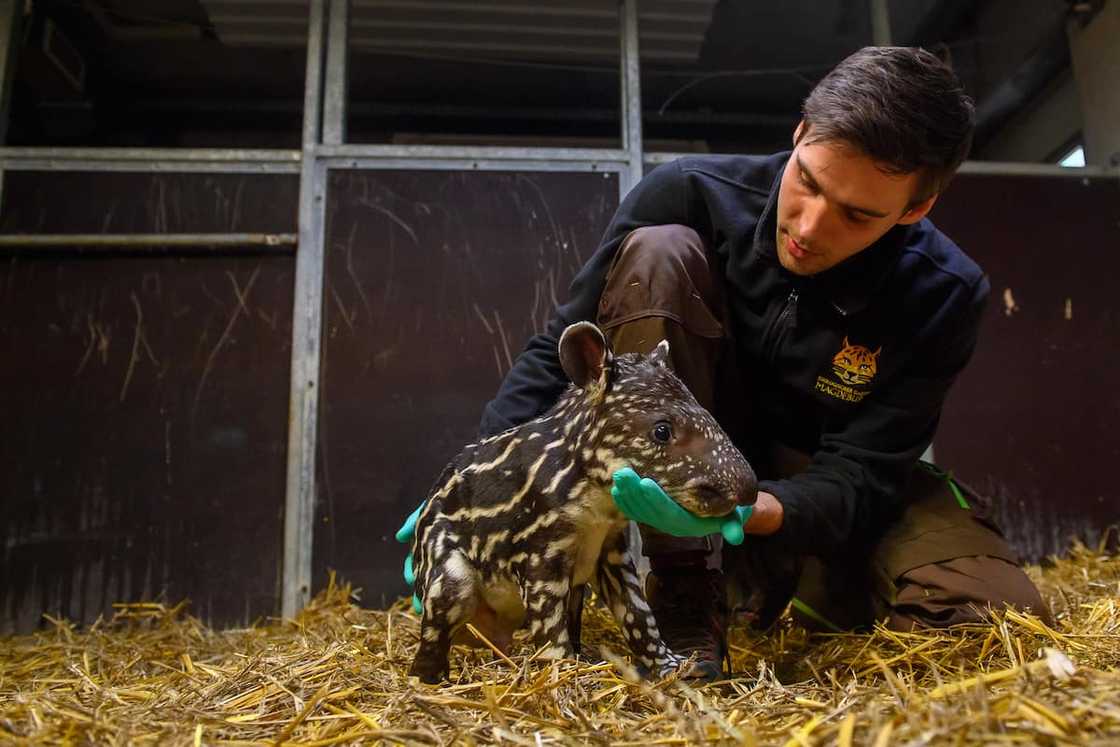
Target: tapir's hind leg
(575, 617)
(621, 590)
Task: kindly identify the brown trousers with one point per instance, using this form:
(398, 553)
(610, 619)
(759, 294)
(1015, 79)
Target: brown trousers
(938, 565)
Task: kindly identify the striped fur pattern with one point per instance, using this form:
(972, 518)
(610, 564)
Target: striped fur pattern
(519, 521)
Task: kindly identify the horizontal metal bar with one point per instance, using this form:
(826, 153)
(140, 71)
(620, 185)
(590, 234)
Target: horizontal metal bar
(1011, 168)
(170, 167)
(151, 154)
(994, 168)
(140, 240)
(472, 164)
(151, 159)
(35, 158)
(658, 158)
(489, 153)
(422, 156)
(651, 51)
(562, 9)
(700, 15)
(224, 23)
(512, 30)
(185, 105)
(440, 5)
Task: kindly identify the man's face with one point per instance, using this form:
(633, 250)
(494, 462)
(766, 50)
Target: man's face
(835, 202)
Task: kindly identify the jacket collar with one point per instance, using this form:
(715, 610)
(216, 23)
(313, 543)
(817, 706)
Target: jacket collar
(849, 286)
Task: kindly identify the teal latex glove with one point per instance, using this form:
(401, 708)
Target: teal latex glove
(643, 500)
(405, 535)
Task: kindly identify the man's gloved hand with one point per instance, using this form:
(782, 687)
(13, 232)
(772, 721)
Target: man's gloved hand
(643, 500)
(405, 534)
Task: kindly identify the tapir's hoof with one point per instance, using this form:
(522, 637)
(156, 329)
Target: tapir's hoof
(428, 674)
(707, 671)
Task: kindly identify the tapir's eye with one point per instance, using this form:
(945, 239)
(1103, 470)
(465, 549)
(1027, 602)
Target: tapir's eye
(662, 432)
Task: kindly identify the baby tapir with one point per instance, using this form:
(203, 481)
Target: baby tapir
(518, 521)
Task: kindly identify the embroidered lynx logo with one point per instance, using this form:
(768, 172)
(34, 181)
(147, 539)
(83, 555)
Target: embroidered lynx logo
(850, 373)
(855, 364)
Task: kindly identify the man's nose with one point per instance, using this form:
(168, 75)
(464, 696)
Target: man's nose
(812, 215)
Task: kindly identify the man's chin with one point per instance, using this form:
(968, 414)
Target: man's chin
(804, 267)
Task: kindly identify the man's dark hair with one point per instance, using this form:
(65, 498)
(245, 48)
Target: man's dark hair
(902, 107)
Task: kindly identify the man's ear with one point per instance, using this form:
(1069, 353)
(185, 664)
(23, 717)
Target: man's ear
(917, 212)
(800, 130)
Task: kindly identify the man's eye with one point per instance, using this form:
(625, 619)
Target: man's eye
(662, 432)
(856, 218)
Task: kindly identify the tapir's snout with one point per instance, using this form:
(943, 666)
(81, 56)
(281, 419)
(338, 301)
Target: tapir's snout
(747, 492)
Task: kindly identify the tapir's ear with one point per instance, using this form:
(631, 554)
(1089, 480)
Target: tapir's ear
(660, 355)
(584, 355)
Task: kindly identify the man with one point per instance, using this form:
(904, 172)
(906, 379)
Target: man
(815, 310)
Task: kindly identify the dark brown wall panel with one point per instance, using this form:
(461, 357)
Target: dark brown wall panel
(144, 400)
(112, 202)
(435, 281)
(1034, 420)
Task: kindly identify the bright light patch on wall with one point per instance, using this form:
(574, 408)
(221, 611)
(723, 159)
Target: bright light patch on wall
(1075, 157)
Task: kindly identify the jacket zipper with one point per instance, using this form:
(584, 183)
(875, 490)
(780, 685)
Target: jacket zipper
(774, 334)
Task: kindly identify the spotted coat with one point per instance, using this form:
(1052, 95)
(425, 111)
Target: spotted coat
(519, 522)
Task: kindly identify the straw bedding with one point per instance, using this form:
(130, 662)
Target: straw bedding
(336, 675)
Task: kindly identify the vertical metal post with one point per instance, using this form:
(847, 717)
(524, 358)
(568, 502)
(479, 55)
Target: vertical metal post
(299, 504)
(880, 23)
(10, 16)
(631, 105)
(337, 79)
(631, 110)
(9, 45)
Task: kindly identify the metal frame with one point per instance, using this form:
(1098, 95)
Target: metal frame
(631, 104)
(130, 241)
(307, 314)
(880, 23)
(218, 160)
(320, 156)
(490, 152)
(323, 149)
(473, 164)
(1014, 168)
(488, 158)
(337, 83)
(10, 18)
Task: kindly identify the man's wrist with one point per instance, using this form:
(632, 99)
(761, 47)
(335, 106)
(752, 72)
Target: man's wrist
(767, 515)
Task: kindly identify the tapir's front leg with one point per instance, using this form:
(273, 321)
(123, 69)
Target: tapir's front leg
(621, 590)
(545, 590)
